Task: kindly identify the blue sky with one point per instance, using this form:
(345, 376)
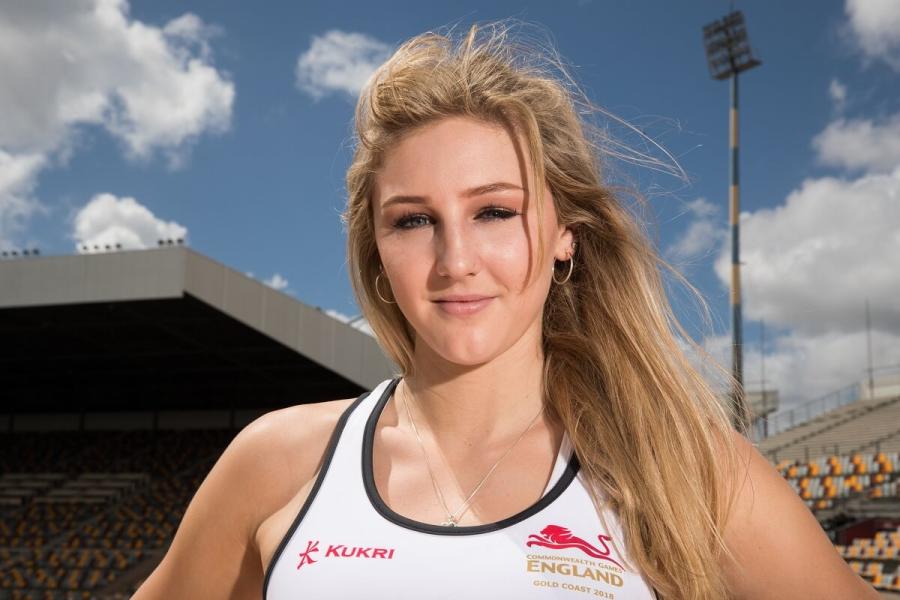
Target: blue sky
(195, 112)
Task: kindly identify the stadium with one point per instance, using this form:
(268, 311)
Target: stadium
(129, 365)
(127, 373)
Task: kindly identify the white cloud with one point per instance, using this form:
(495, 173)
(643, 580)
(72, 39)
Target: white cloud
(66, 66)
(339, 61)
(875, 28)
(277, 282)
(860, 144)
(109, 220)
(803, 367)
(194, 33)
(809, 266)
(838, 93)
(18, 177)
(811, 263)
(702, 235)
(154, 88)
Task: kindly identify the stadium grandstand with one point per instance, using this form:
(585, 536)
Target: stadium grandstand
(125, 374)
(841, 454)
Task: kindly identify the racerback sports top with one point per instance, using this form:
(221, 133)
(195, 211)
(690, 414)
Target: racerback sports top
(347, 543)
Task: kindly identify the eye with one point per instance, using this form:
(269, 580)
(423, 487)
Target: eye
(493, 213)
(411, 221)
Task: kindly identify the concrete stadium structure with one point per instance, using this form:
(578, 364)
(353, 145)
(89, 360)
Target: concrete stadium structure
(164, 338)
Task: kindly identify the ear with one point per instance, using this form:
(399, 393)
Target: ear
(563, 247)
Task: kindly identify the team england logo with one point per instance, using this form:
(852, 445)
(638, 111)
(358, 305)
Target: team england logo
(558, 537)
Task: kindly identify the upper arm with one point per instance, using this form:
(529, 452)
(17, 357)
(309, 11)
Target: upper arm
(213, 554)
(780, 551)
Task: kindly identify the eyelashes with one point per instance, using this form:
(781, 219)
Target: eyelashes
(414, 220)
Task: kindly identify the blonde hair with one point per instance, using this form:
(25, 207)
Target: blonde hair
(652, 439)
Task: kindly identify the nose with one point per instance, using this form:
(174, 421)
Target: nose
(456, 251)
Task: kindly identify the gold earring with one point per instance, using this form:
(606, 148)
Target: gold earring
(378, 292)
(571, 267)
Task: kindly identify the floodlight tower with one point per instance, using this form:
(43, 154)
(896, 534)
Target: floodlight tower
(728, 54)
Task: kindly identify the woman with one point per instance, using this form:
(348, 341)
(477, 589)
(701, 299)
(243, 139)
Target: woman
(547, 437)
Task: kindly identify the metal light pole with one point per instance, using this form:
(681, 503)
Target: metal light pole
(728, 54)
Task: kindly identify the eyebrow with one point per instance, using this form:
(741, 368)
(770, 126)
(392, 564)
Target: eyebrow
(497, 186)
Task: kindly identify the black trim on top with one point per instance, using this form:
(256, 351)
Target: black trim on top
(326, 461)
(386, 512)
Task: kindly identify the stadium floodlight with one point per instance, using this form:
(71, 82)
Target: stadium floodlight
(727, 47)
(728, 54)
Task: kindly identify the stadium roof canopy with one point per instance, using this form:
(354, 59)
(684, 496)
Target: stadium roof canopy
(167, 328)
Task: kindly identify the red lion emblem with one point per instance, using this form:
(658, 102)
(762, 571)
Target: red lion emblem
(557, 537)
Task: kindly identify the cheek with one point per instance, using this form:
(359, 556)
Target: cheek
(508, 258)
(398, 248)
(407, 261)
(514, 255)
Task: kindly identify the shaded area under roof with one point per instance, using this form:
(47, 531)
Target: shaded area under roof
(165, 329)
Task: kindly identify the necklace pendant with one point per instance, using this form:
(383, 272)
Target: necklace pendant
(450, 522)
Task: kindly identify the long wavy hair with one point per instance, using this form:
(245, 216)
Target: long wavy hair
(654, 441)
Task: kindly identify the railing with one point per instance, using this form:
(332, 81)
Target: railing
(788, 419)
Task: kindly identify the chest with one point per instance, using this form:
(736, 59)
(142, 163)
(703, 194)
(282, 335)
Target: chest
(362, 532)
(558, 549)
(478, 490)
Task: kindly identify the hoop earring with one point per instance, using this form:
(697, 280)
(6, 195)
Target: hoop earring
(568, 275)
(378, 292)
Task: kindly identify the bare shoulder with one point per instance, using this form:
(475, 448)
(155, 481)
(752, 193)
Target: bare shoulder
(780, 550)
(259, 472)
(275, 455)
(285, 446)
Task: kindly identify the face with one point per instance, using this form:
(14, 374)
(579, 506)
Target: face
(456, 225)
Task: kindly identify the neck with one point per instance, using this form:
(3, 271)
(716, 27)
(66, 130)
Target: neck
(478, 405)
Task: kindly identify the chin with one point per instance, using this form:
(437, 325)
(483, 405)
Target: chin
(464, 351)
(468, 360)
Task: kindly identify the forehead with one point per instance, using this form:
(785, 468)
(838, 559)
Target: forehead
(453, 154)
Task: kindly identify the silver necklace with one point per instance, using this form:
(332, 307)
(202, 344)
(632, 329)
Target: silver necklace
(454, 517)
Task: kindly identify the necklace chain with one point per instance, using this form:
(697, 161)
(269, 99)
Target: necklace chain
(454, 517)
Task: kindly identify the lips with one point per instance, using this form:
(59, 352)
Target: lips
(463, 305)
(463, 298)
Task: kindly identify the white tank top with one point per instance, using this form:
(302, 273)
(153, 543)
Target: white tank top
(347, 543)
